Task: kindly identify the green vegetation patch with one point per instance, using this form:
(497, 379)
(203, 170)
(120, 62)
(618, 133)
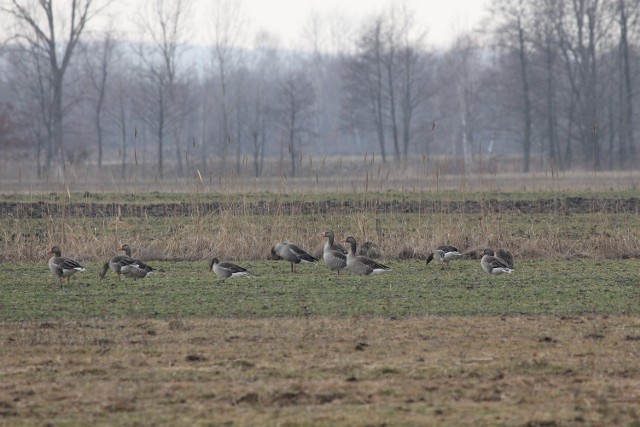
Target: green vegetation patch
(186, 289)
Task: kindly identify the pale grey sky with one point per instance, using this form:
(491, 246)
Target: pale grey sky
(443, 19)
(287, 19)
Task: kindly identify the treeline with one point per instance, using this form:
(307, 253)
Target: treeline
(553, 82)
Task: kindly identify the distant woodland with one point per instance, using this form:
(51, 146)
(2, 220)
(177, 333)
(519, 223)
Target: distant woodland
(548, 84)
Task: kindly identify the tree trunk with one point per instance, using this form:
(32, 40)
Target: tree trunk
(627, 143)
(161, 132)
(123, 135)
(57, 117)
(292, 147)
(526, 144)
(392, 108)
(592, 89)
(379, 118)
(552, 131)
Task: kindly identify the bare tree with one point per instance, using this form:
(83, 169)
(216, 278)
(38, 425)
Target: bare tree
(166, 24)
(462, 67)
(628, 12)
(512, 33)
(365, 80)
(579, 28)
(99, 63)
(265, 66)
(389, 72)
(121, 111)
(42, 29)
(226, 28)
(414, 75)
(295, 107)
(545, 44)
(32, 98)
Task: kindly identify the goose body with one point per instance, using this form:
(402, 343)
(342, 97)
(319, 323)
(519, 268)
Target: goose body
(505, 256)
(139, 269)
(119, 264)
(292, 253)
(334, 258)
(361, 264)
(444, 254)
(224, 270)
(127, 265)
(62, 267)
(493, 265)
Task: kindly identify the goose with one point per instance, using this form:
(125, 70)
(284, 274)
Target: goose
(334, 258)
(62, 267)
(361, 264)
(445, 254)
(138, 272)
(292, 253)
(226, 269)
(139, 269)
(493, 265)
(119, 264)
(505, 256)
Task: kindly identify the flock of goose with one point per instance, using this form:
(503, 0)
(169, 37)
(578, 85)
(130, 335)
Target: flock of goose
(333, 254)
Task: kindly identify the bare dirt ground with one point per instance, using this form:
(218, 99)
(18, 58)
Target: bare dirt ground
(542, 371)
(563, 205)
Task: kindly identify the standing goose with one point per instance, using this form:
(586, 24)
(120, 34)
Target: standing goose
(226, 269)
(62, 267)
(139, 269)
(334, 258)
(361, 264)
(444, 254)
(292, 253)
(493, 265)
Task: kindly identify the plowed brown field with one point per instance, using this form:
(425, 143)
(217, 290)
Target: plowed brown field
(544, 371)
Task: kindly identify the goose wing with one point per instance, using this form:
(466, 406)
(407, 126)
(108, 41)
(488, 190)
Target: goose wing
(505, 256)
(233, 268)
(494, 262)
(143, 266)
(338, 254)
(301, 253)
(447, 248)
(123, 260)
(339, 248)
(69, 264)
(374, 265)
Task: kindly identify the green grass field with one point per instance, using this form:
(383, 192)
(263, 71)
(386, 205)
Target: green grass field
(187, 289)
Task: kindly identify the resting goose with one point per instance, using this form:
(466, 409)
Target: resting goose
(133, 271)
(505, 256)
(138, 272)
(334, 258)
(226, 269)
(139, 269)
(119, 264)
(62, 267)
(444, 254)
(492, 264)
(292, 253)
(361, 264)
